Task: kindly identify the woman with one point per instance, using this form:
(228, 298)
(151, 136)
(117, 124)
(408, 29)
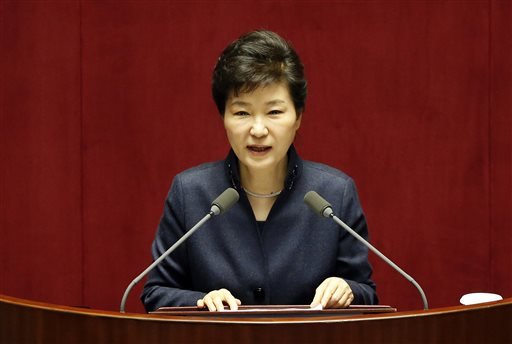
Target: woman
(269, 248)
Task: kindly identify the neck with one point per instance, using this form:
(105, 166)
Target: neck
(264, 181)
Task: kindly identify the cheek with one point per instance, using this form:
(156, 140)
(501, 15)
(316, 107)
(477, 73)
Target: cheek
(228, 126)
(234, 134)
(236, 128)
(230, 137)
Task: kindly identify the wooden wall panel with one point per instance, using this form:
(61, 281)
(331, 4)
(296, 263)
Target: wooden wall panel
(500, 105)
(40, 160)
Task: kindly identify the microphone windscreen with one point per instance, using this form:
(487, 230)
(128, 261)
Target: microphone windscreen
(226, 200)
(316, 202)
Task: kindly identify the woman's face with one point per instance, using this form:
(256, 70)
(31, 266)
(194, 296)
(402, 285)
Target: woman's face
(261, 125)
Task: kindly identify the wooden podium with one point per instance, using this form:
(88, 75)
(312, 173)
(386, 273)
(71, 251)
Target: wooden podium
(23, 321)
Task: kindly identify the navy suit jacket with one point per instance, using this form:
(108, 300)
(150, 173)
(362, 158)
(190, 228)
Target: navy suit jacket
(282, 264)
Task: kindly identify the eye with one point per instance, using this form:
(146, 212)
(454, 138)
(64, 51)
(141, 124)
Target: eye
(275, 112)
(241, 113)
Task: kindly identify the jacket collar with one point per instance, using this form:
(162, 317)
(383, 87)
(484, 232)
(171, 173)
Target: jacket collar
(294, 169)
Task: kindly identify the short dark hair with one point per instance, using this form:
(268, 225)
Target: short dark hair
(256, 59)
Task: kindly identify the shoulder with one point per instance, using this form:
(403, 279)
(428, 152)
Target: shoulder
(334, 185)
(330, 182)
(201, 184)
(203, 172)
(323, 173)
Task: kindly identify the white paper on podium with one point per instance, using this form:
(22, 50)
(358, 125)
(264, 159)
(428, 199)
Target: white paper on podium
(316, 308)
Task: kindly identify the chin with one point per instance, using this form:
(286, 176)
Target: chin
(258, 164)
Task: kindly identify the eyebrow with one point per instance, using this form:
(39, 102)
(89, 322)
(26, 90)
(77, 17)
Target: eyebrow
(275, 102)
(270, 102)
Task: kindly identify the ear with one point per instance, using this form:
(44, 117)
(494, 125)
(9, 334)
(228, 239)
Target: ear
(298, 121)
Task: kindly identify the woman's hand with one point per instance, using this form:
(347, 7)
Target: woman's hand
(334, 292)
(216, 299)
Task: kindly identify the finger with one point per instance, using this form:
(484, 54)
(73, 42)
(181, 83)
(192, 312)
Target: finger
(335, 298)
(350, 299)
(318, 294)
(238, 302)
(232, 303)
(228, 298)
(316, 300)
(222, 297)
(218, 301)
(329, 290)
(200, 303)
(345, 300)
(209, 303)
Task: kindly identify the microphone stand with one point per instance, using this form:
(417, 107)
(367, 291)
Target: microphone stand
(378, 253)
(165, 254)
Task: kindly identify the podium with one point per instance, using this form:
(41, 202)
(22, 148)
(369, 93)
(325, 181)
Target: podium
(23, 321)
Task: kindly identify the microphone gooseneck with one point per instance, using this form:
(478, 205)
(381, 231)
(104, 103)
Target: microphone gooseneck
(323, 208)
(220, 205)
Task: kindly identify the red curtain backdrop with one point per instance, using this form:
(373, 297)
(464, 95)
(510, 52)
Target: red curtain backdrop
(103, 102)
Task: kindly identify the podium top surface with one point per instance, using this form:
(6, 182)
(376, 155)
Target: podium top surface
(276, 312)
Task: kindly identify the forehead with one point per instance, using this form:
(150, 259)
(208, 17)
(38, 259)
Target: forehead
(275, 92)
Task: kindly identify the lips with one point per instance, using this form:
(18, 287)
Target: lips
(259, 149)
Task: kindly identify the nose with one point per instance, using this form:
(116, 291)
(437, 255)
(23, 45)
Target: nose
(258, 128)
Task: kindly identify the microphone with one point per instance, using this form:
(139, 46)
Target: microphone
(219, 206)
(323, 208)
(225, 201)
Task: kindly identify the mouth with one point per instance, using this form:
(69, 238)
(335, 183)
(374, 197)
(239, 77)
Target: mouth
(259, 149)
